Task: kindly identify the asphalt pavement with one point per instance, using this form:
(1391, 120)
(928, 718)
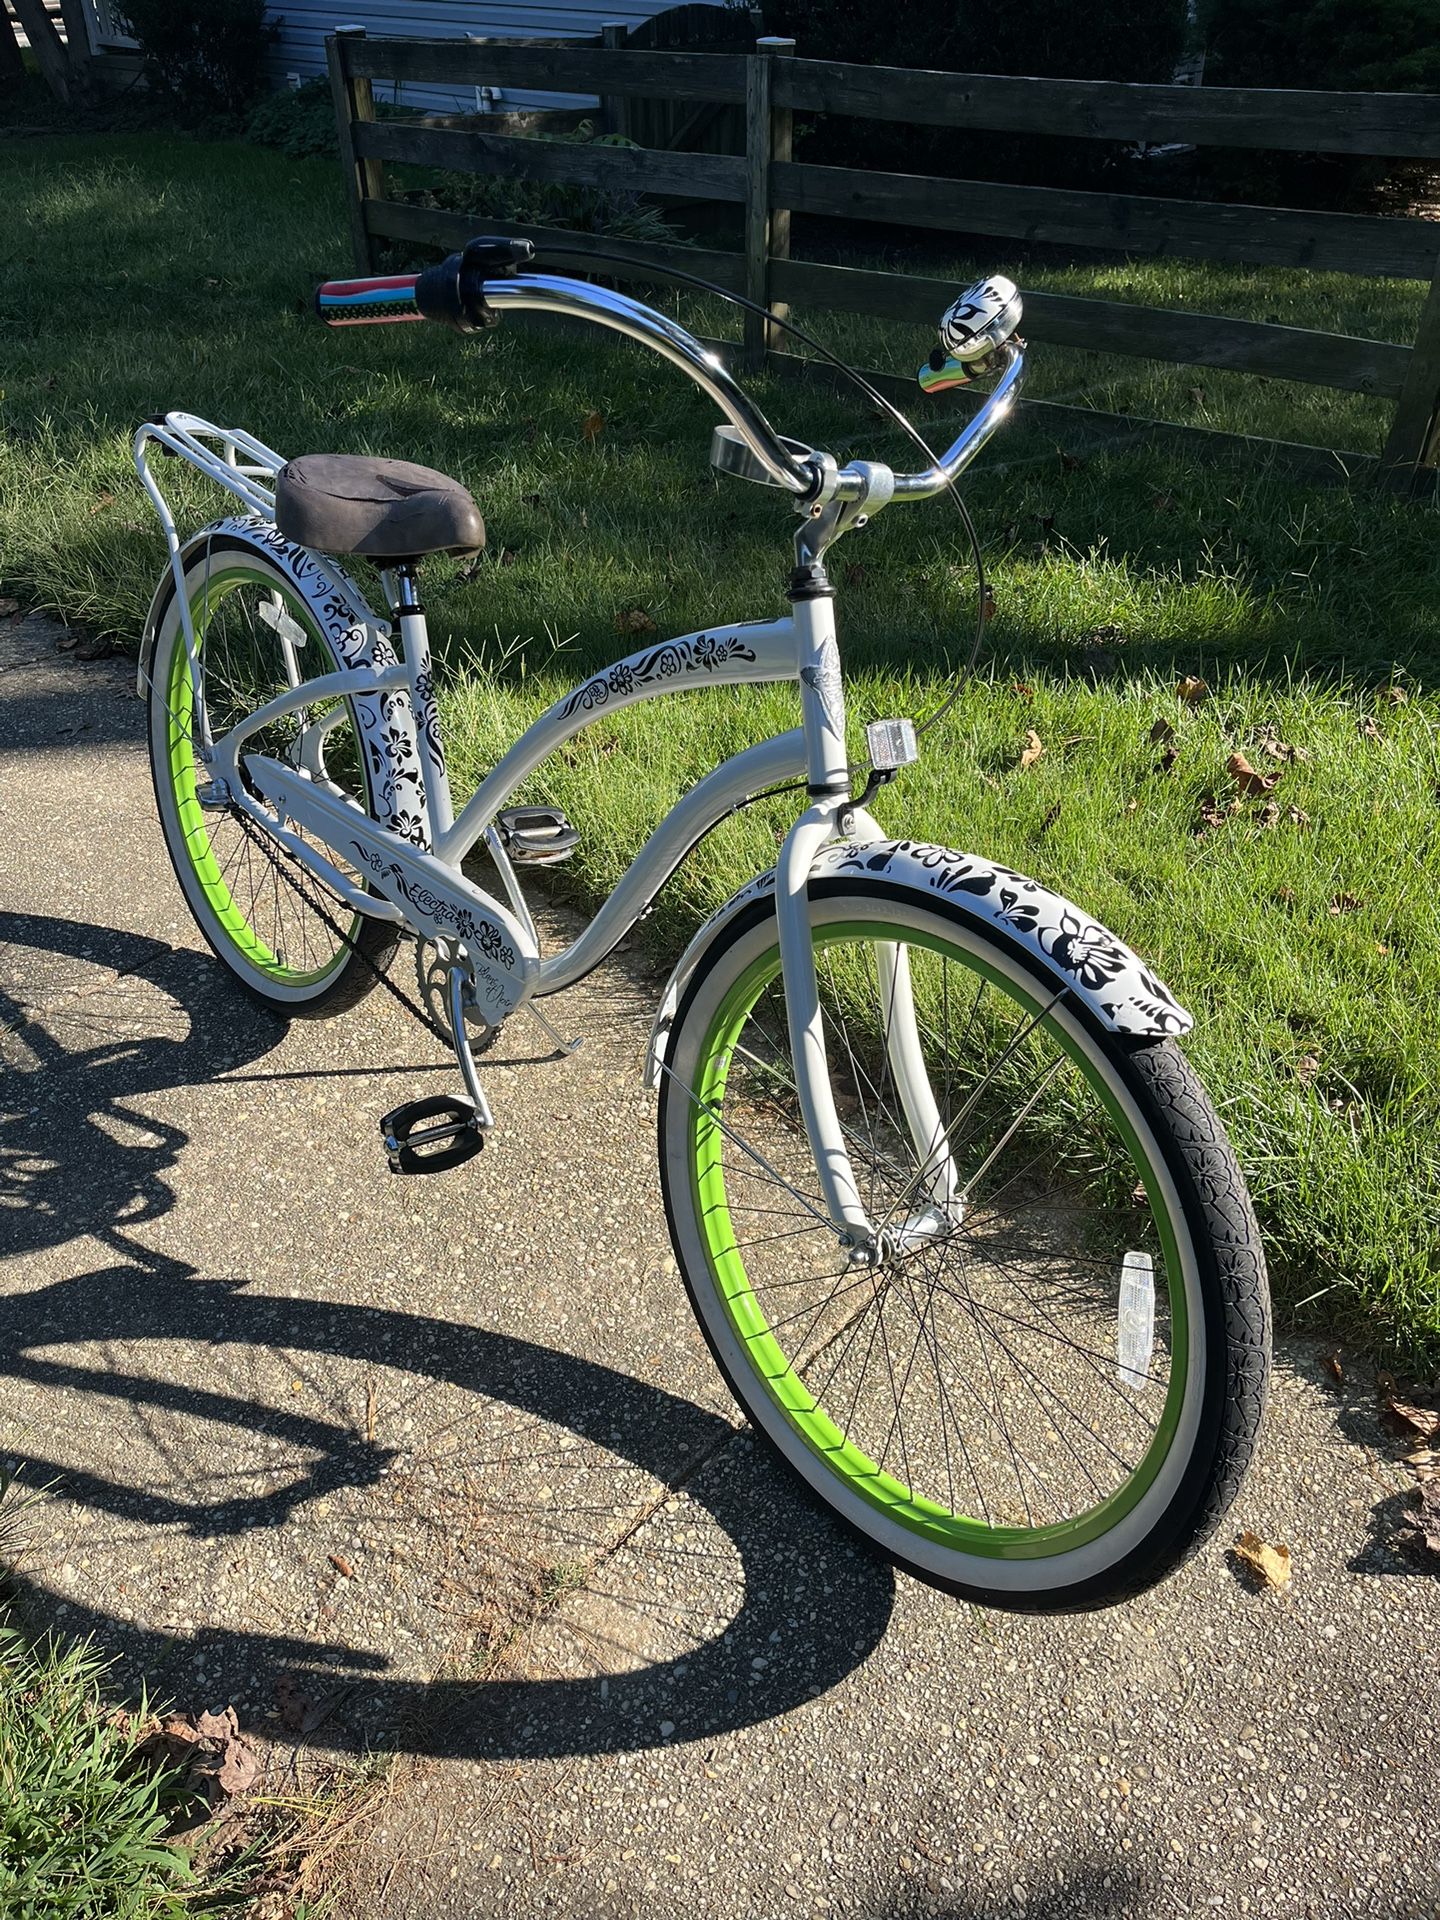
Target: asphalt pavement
(442, 1467)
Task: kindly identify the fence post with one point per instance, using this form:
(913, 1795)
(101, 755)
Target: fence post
(45, 45)
(614, 107)
(364, 178)
(1414, 438)
(768, 137)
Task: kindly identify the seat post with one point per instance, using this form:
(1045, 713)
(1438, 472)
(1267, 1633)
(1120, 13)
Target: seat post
(402, 590)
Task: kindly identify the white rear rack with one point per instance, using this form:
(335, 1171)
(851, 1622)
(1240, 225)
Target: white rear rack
(230, 457)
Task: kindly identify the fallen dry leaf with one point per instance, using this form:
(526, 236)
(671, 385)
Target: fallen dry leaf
(1281, 749)
(1423, 1422)
(1367, 729)
(9, 606)
(1269, 815)
(102, 501)
(1297, 816)
(1332, 1366)
(239, 1768)
(987, 605)
(174, 1737)
(1421, 1532)
(1192, 689)
(1306, 1068)
(1032, 751)
(1424, 1462)
(1212, 814)
(1395, 696)
(1050, 818)
(1197, 396)
(634, 620)
(1021, 691)
(1162, 730)
(295, 1704)
(217, 1726)
(1270, 1565)
(1250, 782)
(592, 426)
(341, 1565)
(1167, 761)
(1132, 805)
(1346, 903)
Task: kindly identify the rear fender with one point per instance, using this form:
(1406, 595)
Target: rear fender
(359, 639)
(1061, 942)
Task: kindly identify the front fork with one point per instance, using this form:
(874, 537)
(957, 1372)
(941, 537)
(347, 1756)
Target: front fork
(833, 815)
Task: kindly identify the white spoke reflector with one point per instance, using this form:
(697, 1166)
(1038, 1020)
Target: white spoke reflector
(1136, 1330)
(273, 613)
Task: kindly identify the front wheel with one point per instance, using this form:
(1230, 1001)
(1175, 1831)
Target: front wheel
(1046, 1392)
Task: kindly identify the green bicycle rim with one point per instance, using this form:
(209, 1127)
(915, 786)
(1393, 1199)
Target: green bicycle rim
(194, 832)
(767, 1360)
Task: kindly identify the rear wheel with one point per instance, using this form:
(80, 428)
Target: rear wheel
(1046, 1392)
(289, 939)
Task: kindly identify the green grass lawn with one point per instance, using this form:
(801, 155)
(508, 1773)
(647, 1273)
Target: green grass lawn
(141, 274)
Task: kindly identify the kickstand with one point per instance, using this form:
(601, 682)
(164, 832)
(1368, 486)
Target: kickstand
(566, 1047)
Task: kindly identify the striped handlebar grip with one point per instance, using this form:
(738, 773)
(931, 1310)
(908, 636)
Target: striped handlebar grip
(368, 303)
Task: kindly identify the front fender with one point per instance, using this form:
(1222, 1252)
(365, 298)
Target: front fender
(1059, 939)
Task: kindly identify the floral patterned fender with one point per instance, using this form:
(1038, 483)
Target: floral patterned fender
(1099, 969)
(386, 720)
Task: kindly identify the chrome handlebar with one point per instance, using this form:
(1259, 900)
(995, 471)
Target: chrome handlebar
(750, 448)
(578, 299)
(1002, 396)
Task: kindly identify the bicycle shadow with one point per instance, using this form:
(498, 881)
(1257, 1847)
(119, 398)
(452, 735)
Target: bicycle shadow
(102, 1169)
(787, 1551)
(75, 1149)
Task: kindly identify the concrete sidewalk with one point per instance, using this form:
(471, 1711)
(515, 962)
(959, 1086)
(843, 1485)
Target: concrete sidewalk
(444, 1465)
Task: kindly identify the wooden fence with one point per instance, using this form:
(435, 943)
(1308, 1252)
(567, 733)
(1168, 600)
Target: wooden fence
(768, 185)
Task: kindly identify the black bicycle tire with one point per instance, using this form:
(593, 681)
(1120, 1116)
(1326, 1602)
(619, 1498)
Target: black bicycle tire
(374, 942)
(1223, 1231)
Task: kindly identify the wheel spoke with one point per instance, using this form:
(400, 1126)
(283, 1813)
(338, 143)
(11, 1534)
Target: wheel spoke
(996, 1396)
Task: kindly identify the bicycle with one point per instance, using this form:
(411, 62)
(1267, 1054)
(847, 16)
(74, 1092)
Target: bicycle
(957, 1219)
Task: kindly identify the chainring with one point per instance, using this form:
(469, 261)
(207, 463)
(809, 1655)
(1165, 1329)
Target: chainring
(433, 961)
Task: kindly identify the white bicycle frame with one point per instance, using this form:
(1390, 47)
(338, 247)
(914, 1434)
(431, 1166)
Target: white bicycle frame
(418, 882)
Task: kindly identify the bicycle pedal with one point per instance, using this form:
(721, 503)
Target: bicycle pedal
(431, 1135)
(536, 836)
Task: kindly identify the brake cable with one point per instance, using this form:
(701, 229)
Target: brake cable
(877, 399)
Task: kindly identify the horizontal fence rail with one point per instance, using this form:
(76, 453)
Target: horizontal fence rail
(771, 84)
(1383, 124)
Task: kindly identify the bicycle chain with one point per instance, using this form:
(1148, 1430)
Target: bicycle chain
(299, 888)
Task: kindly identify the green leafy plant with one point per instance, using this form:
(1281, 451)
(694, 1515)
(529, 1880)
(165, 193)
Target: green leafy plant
(203, 58)
(1109, 40)
(83, 1820)
(1392, 46)
(1389, 46)
(297, 121)
(554, 203)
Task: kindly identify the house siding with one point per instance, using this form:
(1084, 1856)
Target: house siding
(303, 27)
